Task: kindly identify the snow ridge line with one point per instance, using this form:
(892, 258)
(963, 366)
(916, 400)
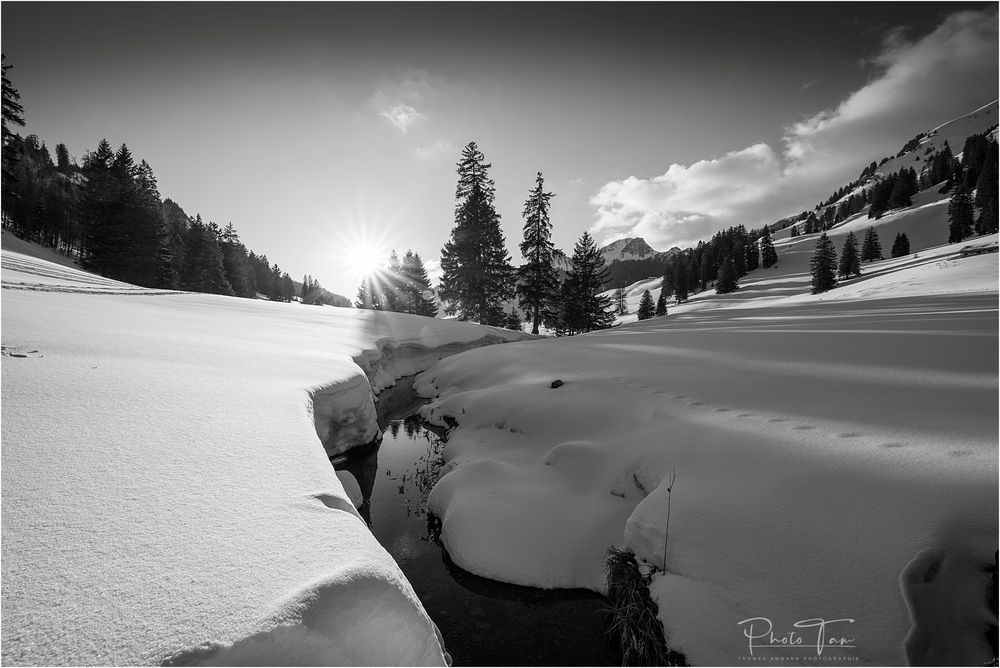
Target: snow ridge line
(344, 411)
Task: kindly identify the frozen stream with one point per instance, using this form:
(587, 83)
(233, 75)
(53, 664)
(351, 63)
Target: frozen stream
(483, 622)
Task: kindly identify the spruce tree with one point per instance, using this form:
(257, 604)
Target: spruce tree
(368, 295)
(646, 306)
(794, 232)
(901, 191)
(416, 286)
(62, 158)
(768, 256)
(538, 282)
(680, 280)
(620, 299)
(727, 280)
(661, 304)
(477, 276)
(823, 265)
(901, 246)
(584, 308)
(850, 263)
(960, 216)
(13, 114)
(871, 248)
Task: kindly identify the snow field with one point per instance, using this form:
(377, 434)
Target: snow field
(836, 454)
(164, 494)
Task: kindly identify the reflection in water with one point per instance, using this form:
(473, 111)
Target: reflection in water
(483, 622)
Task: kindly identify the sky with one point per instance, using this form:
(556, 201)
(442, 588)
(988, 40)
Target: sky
(326, 132)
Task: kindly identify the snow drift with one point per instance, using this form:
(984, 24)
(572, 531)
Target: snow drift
(164, 494)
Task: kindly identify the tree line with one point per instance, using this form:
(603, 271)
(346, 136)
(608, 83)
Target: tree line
(109, 213)
(402, 287)
(478, 280)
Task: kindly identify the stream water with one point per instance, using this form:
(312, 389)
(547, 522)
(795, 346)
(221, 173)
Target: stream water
(483, 622)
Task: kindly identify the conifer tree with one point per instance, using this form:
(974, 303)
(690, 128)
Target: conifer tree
(584, 309)
(538, 282)
(667, 285)
(901, 246)
(477, 277)
(768, 256)
(960, 216)
(871, 248)
(661, 304)
(416, 287)
(794, 232)
(823, 265)
(368, 295)
(902, 189)
(620, 299)
(681, 280)
(727, 280)
(850, 263)
(646, 306)
(62, 158)
(13, 114)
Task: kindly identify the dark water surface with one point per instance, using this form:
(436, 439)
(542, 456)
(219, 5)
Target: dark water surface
(484, 622)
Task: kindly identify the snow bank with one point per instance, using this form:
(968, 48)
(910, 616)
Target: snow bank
(818, 450)
(163, 489)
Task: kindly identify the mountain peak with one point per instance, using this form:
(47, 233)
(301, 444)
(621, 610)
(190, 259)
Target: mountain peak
(632, 248)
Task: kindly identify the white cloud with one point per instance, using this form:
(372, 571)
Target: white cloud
(434, 272)
(401, 115)
(395, 99)
(440, 148)
(920, 84)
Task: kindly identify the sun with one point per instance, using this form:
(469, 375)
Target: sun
(360, 254)
(363, 259)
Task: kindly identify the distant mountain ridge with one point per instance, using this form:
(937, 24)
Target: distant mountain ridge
(631, 248)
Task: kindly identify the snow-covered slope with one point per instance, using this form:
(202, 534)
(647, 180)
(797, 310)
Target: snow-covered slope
(164, 490)
(954, 132)
(836, 454)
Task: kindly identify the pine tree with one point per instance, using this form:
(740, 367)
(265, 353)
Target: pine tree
(620, 299)
(681, 280)
(794, 232)
(584, 309)
(416, 287)
(62, 158)
(960, 216)
(902, 189)
(727, 280)
(477, 277)
(538, 282)
(367, 296)
(513, 321)
(901, 246)
(823, 265)
(661, 304)
(850, 263)
(768, 256)
(871, 248)
(646, 306)
(389, 283)
(13, 114)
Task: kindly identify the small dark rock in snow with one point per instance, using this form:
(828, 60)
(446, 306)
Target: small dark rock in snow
(556, 383)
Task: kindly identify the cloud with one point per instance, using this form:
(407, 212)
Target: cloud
(440, 148)
(920, 84)
(401, 115)
(396, 100)
(809, 84)
(434, 271)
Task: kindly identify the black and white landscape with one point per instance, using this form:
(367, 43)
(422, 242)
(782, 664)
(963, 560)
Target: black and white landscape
(627, 334)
